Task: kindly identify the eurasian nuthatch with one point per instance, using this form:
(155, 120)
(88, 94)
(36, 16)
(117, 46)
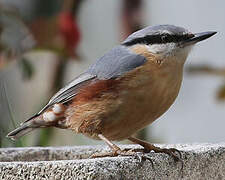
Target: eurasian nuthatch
(123, 91)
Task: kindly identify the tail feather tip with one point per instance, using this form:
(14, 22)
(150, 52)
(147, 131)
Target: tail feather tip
(11, 136)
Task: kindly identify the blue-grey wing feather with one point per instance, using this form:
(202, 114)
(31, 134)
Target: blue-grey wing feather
(68, 92)
(71, 88)
(115, 63)
(112, 65)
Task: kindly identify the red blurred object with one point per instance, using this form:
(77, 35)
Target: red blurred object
(70, 32)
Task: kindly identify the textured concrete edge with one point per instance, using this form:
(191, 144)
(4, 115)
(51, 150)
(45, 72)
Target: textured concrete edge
(201, 161)
(182, 147)
(32, 154)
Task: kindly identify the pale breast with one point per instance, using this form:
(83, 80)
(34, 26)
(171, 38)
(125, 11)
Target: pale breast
(146, 94)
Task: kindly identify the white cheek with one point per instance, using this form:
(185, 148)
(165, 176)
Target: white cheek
(183, 52)
(161, 48)
(188, 49)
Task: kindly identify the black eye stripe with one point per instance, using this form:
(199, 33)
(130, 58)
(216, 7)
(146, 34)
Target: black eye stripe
(158, 39)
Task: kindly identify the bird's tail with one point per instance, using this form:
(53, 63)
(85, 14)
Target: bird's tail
(34, 122)
(20, 131)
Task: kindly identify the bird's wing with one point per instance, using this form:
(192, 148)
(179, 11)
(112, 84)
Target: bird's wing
(71, 89)
(115, 63)
(112, 65)
(66, 93)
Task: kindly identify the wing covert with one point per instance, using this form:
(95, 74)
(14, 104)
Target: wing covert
(69, 91)
(115, 63)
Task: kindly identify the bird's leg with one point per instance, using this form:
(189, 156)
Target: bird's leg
(116, 151)
(149, 147)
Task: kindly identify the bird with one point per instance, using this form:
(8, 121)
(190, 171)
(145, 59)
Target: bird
(125, 90)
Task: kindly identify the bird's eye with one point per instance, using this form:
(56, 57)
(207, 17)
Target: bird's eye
(164, 38)
(143, 41)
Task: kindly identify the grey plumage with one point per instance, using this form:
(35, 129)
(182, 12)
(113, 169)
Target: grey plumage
(157, 30)
(71, 88)
(115, 63)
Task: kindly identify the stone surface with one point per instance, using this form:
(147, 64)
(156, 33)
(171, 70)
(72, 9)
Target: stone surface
(201, 161)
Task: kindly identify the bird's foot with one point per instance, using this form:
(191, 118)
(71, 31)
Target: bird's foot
(149, 147)
(137, 153)
(170, 151)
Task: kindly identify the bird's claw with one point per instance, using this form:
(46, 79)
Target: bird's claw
(171, 152)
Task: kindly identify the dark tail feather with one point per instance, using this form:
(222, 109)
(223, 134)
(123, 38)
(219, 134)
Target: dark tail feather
(33, 123)
(20, 131)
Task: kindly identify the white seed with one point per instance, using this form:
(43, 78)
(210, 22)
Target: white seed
(49, 116)
(57, 109)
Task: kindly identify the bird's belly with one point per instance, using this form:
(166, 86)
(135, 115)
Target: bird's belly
(139, 107)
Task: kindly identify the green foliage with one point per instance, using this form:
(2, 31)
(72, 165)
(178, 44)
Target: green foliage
(48, 8)
(45, 136)
(27, 68)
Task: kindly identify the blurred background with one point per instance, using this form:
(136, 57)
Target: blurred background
(45, 44)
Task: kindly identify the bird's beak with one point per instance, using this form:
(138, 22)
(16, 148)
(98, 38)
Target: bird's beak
(198, 37)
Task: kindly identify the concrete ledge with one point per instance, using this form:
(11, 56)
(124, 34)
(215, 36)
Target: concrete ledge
(201, 161)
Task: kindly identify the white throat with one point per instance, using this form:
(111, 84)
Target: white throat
(169, 49)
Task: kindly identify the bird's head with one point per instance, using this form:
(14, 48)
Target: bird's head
(166, 40)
